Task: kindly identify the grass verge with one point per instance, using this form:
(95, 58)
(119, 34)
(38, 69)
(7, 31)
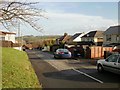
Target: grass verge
(17, 71)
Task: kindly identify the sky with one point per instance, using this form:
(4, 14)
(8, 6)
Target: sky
(72, 17)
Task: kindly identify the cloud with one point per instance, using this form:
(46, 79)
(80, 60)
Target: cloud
(58, 23)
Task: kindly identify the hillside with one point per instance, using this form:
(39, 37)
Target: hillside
(32, 38)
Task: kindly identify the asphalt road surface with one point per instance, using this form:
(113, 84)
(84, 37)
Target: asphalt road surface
(70, 73)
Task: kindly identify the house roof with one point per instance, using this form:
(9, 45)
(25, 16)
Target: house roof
(66, 38)
(113, 30)
(94, 34)
(61, 38)
(4, 33)
(76, 35)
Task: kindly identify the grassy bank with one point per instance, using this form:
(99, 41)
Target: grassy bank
(17, 71)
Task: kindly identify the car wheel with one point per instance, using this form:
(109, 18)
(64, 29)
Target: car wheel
(55, 57)
(100, 68)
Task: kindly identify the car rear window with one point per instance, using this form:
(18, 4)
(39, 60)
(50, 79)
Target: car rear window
(63, 50)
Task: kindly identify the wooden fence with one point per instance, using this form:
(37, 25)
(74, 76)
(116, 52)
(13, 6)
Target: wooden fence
(9, 44)
(93, 51)
(6, 43)
(98, 51)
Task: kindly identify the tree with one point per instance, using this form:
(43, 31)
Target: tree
(12, 12)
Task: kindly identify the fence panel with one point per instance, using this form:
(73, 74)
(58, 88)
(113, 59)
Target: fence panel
(6, 43)
(98, 51)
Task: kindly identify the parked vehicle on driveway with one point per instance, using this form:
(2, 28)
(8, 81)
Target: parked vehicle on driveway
(62, 53)
(111, 63)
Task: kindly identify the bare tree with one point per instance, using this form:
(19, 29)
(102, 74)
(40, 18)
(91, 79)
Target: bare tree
(12, 12)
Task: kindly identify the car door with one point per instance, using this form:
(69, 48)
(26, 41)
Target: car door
(111, 63)
(118, 65)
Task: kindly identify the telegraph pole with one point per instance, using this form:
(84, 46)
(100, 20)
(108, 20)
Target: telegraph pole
(19, 33)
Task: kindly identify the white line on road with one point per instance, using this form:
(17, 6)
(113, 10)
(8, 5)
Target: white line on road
(54, 66)
(87, 75)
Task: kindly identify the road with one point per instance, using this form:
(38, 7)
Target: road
(70, 73)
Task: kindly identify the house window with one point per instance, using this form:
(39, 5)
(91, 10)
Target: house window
(100, 39)
(117, 38)
(108, 37)
(2, 38)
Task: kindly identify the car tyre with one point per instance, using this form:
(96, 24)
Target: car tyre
(55, 57)
(100, 68)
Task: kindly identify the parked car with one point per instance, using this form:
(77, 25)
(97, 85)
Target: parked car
(62, 53)
(46, 48)
(111, 63)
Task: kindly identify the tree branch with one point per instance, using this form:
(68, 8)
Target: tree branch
(11, 11)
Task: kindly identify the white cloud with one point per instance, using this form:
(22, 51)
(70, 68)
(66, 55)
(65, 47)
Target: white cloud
(58, 23)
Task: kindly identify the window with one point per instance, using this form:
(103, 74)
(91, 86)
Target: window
(100, 39)
(2, 38)
(113, 58)
(108, 37)
(117, 38)
(119, 60)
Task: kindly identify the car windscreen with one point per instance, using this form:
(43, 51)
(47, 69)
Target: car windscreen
(63, 50)
(119, 59)
(112, 58)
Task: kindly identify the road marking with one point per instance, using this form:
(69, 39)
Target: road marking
(87, 75)
(54, 66)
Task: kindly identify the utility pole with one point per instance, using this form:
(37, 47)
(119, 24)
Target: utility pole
(21, 38)
(19, 34)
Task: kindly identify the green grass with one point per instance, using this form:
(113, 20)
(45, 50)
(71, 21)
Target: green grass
(17, 71)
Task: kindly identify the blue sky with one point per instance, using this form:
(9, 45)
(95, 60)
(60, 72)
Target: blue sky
(104, 9)
(72, 17)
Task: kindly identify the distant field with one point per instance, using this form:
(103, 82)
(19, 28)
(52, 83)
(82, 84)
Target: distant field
(37, 38)
(17, 71)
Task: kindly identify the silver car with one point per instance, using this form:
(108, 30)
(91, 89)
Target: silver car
(112, 64)
(62, 53)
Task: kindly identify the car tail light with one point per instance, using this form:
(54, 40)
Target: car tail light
(61, 52)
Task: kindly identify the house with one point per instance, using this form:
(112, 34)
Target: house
(63, 39)
(95, 37)
(7, 39)
(112, 35)
(7, 36)
(75, 38)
